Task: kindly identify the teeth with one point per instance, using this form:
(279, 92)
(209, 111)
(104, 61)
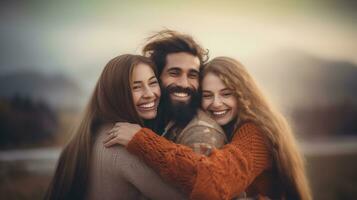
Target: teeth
(180, 94)
(219, 112)
(148, 105)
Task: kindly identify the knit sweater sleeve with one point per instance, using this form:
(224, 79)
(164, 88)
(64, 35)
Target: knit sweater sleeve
(223, 175)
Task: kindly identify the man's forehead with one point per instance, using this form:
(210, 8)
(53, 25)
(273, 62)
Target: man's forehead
(182, 67)
(183, 61)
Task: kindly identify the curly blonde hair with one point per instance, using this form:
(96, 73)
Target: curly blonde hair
(254, 107)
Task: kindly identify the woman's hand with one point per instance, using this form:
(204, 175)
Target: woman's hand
(121, 133)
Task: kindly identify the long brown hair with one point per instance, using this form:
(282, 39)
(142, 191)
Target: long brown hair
(254, 107)
(110, 102)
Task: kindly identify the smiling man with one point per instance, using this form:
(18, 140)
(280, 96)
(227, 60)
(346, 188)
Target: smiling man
(180, 81)
(178, 58)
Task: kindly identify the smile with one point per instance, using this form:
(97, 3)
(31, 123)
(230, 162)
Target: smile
(147, 106)
(218, 114)
(180, 94)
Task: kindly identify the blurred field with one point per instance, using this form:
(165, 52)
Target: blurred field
(18, 184)
(332, 177)
(27, 176)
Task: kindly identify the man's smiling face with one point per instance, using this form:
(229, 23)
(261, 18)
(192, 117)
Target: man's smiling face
(180, 77)
(180, 81)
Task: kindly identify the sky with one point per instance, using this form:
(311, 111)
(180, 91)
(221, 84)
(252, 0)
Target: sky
(78, 38)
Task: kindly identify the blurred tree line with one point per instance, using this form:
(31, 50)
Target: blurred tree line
(326, 120)
(24, 121)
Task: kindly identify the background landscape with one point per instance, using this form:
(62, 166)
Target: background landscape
(302, 53)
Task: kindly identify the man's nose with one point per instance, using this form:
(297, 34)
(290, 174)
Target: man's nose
(183, 82)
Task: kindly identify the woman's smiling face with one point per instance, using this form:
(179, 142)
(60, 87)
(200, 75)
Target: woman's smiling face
(145, 90)
(218, 100)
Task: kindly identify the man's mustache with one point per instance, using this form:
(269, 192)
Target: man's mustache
(178, 89)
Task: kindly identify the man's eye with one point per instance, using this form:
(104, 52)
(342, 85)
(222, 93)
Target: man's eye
(193, 75)
(174, 73)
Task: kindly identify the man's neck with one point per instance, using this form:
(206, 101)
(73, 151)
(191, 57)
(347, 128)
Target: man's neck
(174, 127)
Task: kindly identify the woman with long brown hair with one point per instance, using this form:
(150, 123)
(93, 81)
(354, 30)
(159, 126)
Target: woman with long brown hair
(127, 91)
(261, 159)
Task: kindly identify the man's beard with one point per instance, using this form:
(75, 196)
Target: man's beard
(180, 112)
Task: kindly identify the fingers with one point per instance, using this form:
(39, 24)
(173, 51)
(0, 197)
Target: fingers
(111, 142)
(115, 127)
(113, 130)
(110, 136)
(121, 133)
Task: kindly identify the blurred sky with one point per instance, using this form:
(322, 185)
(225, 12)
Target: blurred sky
(77, 38)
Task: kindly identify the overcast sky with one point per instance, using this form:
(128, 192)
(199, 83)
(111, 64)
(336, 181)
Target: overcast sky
(79, 38)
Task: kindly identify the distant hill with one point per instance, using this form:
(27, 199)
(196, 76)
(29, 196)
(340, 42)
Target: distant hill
(319, 96)
(298, 79)
(292, 78)
(59, 91)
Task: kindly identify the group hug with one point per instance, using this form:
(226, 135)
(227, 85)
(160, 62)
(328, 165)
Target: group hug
(174, 123)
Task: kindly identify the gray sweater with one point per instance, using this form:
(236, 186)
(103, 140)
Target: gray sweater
(117, 174)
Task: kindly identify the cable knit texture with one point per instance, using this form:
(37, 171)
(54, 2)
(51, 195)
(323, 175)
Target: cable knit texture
(223, 175)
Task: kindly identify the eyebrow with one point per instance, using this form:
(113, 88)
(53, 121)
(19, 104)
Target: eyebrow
(194, 70)
(179, 69)
(226, 89)
(138, 82)
(174, 68)
(222, 90)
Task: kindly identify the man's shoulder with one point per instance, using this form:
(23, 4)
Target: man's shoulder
(202, 119)
(202, 131)
(201, 123)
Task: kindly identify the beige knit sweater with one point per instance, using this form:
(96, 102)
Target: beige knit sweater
(117, 174)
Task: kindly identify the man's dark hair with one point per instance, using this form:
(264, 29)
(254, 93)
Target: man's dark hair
(168, 41)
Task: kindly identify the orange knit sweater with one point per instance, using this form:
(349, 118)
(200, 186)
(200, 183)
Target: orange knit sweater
(226, 173)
